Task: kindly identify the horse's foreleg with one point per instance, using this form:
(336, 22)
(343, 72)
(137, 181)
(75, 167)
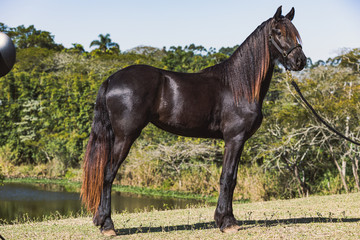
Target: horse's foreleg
(102, 217)
(224, 216)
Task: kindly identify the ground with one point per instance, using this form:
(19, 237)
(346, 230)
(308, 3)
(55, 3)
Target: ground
(318, 217)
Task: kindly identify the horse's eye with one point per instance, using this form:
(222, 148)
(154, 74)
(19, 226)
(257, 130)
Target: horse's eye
(276, 32)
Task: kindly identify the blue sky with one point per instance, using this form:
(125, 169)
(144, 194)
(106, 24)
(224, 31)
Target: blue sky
(326, 26)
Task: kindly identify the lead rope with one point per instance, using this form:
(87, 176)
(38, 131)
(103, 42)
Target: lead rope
(289, 76)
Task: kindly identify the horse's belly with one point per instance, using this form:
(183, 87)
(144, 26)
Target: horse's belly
(190, 121)
(186, 107)
(188, 130)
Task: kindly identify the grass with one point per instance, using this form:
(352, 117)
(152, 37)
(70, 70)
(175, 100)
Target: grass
(75, 186)
(318, 217)
(43, 181)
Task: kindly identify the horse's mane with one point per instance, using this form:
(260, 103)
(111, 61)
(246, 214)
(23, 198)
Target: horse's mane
(248, 65)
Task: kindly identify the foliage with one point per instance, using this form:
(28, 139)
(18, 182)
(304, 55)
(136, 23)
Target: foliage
(28, 37)
(191, 58)
(2, 177)
(302, 146)
(173, 166)
(105, 43)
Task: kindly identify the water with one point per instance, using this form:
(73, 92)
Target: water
(38, 200)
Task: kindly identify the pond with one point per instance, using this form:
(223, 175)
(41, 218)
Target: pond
(38, 200)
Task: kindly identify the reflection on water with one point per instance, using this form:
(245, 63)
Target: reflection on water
(38, 200)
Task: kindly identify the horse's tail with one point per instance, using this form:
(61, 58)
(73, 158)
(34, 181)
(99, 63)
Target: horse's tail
(98, 153)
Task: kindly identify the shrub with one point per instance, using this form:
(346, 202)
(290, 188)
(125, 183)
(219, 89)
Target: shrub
(2, 177)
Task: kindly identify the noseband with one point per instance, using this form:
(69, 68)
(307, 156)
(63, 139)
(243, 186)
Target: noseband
(284, 53)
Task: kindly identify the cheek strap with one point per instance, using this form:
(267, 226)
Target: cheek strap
(284, 53)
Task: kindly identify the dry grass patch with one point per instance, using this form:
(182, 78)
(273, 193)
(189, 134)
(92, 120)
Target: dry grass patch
(320, 217)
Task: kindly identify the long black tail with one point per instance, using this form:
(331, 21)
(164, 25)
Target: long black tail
(98, 153)
(320, 118)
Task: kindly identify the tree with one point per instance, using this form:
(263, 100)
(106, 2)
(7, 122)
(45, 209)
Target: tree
(298, 143)
(104, 43)
(351, 59)
(27, 37)
(228, 50)
(148, 51)
(77, 48)
(3, 28)
(191, 58)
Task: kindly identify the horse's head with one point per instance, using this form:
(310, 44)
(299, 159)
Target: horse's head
(285, 42)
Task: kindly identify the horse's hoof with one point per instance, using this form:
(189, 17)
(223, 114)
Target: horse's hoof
(232, 229)
(108, 233)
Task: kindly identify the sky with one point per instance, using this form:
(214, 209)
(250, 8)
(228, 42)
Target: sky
(325, 26)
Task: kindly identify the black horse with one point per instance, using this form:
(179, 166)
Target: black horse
(223, 101)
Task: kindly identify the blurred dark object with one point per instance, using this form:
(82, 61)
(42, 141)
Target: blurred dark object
(7, 54)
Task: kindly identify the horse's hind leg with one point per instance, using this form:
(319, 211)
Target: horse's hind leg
(129, 100)
(102, 217)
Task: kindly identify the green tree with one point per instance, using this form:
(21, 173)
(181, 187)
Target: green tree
(228, 50)
(351, 59)
(77, 48)
(3, 28)
(104, 43)
(27, 37)
(296, 144)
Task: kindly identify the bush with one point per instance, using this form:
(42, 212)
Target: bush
(2, 177)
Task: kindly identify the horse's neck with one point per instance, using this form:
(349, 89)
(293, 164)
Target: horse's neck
(249, 79)
(265, 84)
(249, 66)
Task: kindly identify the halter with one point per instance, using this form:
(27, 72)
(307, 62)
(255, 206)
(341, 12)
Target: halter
(284, 53)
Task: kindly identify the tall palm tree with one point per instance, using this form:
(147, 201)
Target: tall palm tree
(78, 48)
(104, 43)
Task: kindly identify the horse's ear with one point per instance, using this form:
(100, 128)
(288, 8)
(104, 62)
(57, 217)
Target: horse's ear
(278, 13)
(291, 14)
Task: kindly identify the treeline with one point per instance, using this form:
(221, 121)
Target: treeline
(47, 102)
